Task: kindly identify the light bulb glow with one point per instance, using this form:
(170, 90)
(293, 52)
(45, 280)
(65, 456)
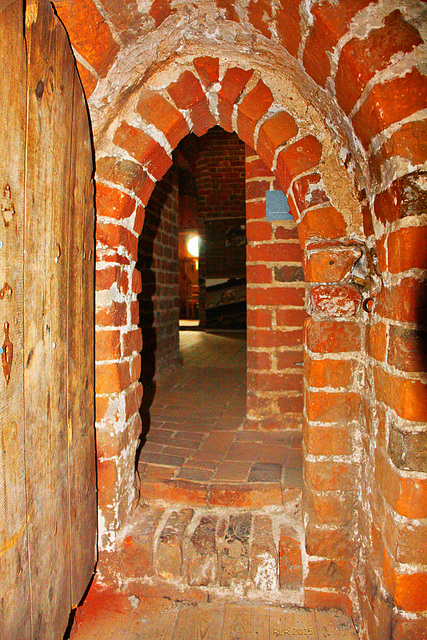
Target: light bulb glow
(193, 246)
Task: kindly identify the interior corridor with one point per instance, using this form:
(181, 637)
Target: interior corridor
(197, 446)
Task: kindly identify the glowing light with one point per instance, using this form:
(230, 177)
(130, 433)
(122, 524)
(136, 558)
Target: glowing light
(193, 246)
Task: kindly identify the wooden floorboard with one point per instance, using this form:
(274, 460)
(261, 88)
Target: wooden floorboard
(160, 619)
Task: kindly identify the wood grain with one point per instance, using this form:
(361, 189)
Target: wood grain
(14, 567)
(80, 353)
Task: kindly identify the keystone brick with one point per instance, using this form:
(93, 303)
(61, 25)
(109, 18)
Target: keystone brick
(207, 69)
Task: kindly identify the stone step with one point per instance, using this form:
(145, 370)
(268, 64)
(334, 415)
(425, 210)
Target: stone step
(213, 554)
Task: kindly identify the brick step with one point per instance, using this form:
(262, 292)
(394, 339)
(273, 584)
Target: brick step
(206, 554)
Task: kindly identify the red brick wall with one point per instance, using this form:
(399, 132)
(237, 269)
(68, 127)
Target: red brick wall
(276, 313)
(158, 263)
(343, 463)
(220, 175)
(395, 413)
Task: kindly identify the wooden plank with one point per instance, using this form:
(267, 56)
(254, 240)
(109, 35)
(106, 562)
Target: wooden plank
(292, 623)
(245, 622)
(334, 625)
(81, 433)
(50, 100)
(14, 572)
(204, 620)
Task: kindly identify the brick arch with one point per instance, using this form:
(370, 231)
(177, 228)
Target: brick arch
(125, 181)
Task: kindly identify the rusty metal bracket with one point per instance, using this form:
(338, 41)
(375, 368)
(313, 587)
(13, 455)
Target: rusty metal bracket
(6, 292)
(7, 354)
(7, 206)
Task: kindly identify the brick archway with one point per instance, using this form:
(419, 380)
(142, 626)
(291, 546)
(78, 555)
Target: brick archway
(143, 143)
(358, 63)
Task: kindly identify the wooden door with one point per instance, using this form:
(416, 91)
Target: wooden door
(47, 453)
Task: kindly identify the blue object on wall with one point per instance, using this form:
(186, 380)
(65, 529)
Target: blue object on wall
(277, 207)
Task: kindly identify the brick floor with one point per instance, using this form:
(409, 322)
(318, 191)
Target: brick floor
(197, 445)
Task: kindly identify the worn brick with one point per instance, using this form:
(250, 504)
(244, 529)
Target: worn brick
(407, 397)
(324, 475)
(290, 567)
(407, 249)
(330, 373)
(328, 574)
(111, 378)
(330, 263)
(264, 558)
(360, 59)
(308, 192)
(168, 554)
(288, 25)
(274, 132)
(337, 407)
(107, 345)
(328, 336)
(234, 559)
(407, 348)
(407, 496)
(388, 103)
(336, 300)
(336, 543)
(330, 23)
(297, 158)
(326, 222)
(156, 110)
(144, 149)
(201, 553)
(250, 110)
(330, 507)
(89, 32)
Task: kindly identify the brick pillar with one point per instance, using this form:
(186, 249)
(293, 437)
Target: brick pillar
(393, 585)
(333, 341)
(276, 313)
